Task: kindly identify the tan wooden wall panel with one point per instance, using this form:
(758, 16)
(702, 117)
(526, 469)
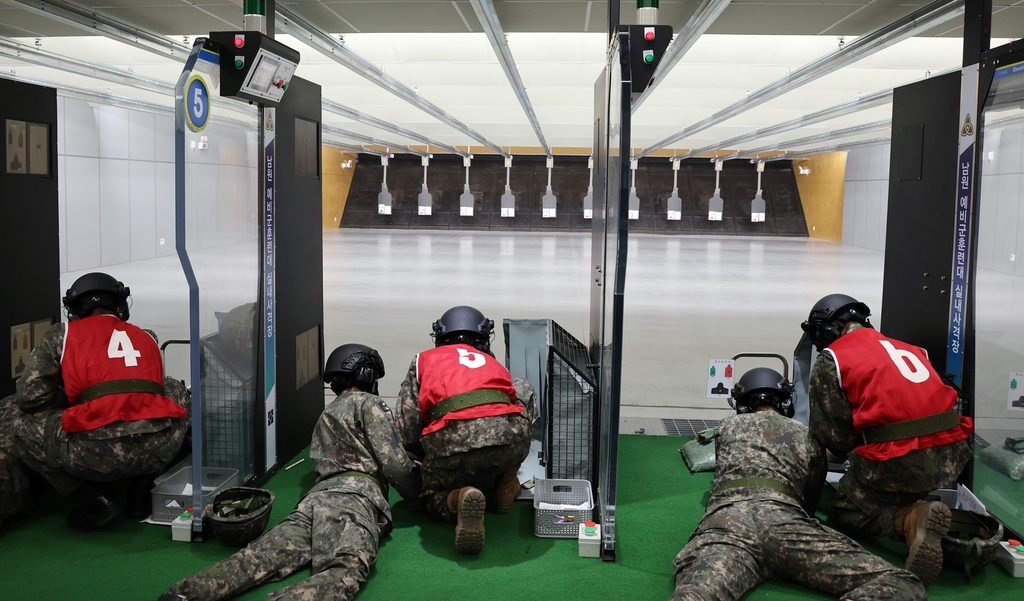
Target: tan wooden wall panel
(820, 179)
(337, 181)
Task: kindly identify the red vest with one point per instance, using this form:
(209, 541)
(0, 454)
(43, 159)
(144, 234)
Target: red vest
(452, 369)
(104, 348)
(888, 381)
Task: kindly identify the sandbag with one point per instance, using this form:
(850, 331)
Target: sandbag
(1003, 460)
(699, 453)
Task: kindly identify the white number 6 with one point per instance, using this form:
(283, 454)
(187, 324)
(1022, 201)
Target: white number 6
(120, 347)
(470, 359)
(908, 363)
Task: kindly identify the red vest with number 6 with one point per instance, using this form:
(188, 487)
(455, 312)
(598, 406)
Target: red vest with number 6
(103, 348)
(889, 381)
(453, 369)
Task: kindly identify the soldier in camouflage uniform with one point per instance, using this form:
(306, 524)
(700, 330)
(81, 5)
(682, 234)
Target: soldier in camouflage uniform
(15, 487)
(758, 525)
(461, 411)
(336, 528)
(79, 447)
(884, 382)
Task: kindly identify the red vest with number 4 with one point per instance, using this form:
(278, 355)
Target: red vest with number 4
(453, 369)
(103, 348)
(888, 381)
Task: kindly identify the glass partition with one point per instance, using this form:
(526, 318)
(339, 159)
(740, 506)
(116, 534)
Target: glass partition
(218, 209)
(999, 302)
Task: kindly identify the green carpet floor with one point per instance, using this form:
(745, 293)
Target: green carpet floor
(660, 503)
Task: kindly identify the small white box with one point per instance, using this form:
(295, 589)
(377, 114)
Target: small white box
(424, 210)
(588, 214)
(1011, 559)
(548, 213)
(508, 212)
(465, 211)
(181, 528)
(590, 542)
(634, 214)
(675, 215)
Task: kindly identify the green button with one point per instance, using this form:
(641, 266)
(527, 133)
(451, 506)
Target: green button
(590, 530)
(285, 87)
(239, 64)
(1020, 548)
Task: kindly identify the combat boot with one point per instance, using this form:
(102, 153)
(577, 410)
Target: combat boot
(923, 525)
(97, 507)
(506, 489)
(468, 504)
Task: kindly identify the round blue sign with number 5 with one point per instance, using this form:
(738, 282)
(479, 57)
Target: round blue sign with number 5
(197, 104)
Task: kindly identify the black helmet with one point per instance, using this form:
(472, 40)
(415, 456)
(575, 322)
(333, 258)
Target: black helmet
(94, 291)
(466, 325)
(763, 386)
(353, 365)
(834, 307)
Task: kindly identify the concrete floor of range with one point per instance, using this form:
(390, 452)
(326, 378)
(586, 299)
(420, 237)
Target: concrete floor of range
(688, 298)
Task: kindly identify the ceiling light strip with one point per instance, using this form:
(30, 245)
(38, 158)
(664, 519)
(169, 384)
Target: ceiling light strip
(864, 46)
(94, 22)
(361, 117)
(702, 18)
(484, 10)
(351, 135)
(301, 29)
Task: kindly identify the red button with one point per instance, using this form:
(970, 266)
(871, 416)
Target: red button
(239, 41)
(1014, 543)
(650, 36)
(590, 524)
(280, 83)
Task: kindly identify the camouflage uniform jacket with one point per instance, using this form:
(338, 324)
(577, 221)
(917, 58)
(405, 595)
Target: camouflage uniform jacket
(41, 387)
(831, 412)
(766, 445)
(357, 433)
(461, 436)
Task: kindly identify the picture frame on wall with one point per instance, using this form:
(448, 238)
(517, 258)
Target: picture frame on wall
(16, 136)
(28, 147)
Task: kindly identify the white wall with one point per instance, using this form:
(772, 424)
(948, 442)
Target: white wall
(866, 197)
(116, 182)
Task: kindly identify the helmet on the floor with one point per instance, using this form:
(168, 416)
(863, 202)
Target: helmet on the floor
(353, 365)
(763, 386)
(838, 308)
(971, 542)
(96, 291)
(239, 515)
(464, 325)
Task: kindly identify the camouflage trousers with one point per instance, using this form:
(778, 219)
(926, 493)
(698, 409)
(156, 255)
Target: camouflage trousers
(15, 488)
(442, 475)
(335, 533)
(738, 546)
(871, 491)
(105, 454)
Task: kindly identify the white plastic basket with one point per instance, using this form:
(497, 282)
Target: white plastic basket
(560, 506)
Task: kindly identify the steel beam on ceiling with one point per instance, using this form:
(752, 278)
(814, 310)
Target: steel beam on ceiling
(864, 46)
(94, 22)
(796, 154)
(354, 148)
(702, 18)
(484, 10)
(301, 29)
(351, 135)
(361, 117)
(832, 134)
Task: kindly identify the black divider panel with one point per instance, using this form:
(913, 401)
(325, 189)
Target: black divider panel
(299, 272)
(569, 181)
(30, 269)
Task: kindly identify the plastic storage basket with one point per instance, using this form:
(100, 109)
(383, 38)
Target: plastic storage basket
(574, 505)
(169, 500)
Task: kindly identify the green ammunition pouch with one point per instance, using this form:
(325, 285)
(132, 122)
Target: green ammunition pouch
(771, 483)
(1005, 459)
(912, 428)
(1016, 445)
(118, 387)
(699, 453)
(971, 542)
(465, 400)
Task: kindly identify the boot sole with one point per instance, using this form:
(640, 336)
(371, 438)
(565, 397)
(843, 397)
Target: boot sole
(925, 559)
(469, 531)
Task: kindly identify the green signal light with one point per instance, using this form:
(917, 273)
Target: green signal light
(649, 58)
(239, 64)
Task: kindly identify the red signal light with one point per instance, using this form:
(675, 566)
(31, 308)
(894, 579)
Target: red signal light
(649, 36)
(239, 41)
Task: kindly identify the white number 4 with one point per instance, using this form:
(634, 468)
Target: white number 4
(120, 347)
(470, 359)
(908, 363)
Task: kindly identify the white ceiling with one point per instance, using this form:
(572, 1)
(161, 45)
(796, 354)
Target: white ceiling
(459, 72)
